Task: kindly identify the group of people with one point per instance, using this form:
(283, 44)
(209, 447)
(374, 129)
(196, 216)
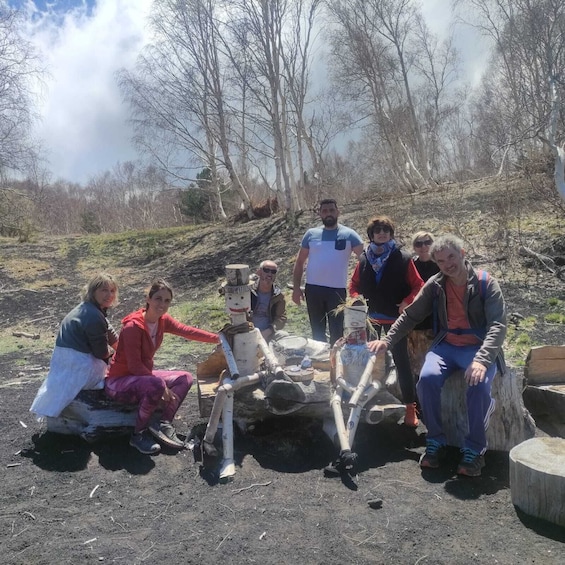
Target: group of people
(432, 288)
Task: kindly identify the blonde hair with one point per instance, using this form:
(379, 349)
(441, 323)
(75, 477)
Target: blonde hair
(96, 282)
(420, 234)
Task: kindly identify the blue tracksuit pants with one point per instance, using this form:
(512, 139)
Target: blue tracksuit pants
(440, 363)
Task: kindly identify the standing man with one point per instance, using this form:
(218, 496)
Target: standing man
(327, 249)
(469, 317)
(268, 304)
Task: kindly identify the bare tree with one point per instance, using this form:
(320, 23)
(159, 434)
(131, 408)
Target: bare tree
(520, 99)
(384, 59)
(177, 95)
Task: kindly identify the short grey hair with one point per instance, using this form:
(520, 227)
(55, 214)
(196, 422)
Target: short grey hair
(448, 241)
(268, 261)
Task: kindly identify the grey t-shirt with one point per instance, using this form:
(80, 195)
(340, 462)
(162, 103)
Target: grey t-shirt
(261, 311)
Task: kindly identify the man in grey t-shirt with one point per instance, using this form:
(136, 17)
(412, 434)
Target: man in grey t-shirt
(327, 250)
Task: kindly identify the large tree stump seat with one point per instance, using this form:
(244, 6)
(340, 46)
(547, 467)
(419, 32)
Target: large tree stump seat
(92, 415)
(537, 478)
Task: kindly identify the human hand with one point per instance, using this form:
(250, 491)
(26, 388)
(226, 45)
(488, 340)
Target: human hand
(169, 395)
(297, 295)
(402, 306)
(475, 373)
(377, 346)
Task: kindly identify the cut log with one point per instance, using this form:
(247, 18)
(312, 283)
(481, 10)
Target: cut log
(545, 365)
(92, 415)
(510, 424)
(537, 478)
(547, 406)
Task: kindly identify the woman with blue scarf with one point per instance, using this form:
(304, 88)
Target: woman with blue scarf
(388, 280)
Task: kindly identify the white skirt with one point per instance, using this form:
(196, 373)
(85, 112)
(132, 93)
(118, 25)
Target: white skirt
(70, 372)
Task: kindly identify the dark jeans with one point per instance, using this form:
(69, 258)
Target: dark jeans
(321, 302)
(403, 367)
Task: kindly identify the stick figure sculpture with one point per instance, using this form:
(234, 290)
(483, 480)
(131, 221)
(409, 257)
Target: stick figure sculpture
(244, 349)
(354, 386)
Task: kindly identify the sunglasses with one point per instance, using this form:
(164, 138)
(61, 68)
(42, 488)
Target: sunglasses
(271, 271)
(425, 242)
(379, 229)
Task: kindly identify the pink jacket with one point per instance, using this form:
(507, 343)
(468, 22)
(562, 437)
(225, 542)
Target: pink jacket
(135, 351)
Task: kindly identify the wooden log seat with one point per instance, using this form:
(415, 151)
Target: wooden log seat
(537, 478)
(544, 395)
(92, 415)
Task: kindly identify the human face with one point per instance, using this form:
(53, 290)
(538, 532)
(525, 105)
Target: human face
(329, 214)
(422, 248)
(158, 304)
(267, 277)
(383, 236)
(452, 264)
(105, 295)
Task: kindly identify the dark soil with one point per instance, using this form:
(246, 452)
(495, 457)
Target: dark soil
(66, 501)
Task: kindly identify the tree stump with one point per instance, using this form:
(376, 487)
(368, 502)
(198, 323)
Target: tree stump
(545, 394)
(537, 478)
(92, 415)
(510, 424)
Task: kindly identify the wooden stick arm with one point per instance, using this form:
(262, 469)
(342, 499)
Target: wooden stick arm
(270, 359)
(228, 354)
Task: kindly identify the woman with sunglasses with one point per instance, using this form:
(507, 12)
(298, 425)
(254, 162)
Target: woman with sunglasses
(421, 242)
(132, 379)
(387, 278)
(268, 305)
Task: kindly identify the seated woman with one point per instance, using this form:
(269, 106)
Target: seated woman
(421, 243)
(387, 278)
(82, 349)
(131, 378)
(421, 338)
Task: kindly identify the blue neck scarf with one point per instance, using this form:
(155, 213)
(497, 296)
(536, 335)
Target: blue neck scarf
(379, 261)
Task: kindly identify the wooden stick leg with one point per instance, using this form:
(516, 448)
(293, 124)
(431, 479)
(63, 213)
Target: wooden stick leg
(339, 424)
(227, 469)
(215, 415)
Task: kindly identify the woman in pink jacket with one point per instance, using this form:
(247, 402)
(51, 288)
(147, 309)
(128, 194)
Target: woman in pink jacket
(131, 378)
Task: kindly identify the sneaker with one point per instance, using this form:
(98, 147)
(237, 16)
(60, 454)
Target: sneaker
(430, 459)
(144, 443)
(165, 433)
(471, 463)
(411, 416)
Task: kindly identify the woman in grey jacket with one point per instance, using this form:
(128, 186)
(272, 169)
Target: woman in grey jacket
(82, 349)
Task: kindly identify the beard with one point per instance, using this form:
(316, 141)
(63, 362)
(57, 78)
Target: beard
(329, 221)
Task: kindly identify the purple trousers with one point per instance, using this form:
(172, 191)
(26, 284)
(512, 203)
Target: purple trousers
(147, 391)
(439, 364)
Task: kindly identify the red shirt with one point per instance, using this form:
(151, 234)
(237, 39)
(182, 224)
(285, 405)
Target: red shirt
(135, 351)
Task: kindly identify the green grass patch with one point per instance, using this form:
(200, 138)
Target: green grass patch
(555, 318)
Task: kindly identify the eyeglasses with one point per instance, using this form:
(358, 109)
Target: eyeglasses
(271, 271)
(379, 229)
(425, 242)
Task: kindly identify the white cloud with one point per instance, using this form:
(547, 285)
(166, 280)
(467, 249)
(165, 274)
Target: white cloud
(84, 121)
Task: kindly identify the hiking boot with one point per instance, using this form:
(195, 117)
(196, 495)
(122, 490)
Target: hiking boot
(471, 463)
(430, 459)
(411, 416)
(144, 443)
(165, 433)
